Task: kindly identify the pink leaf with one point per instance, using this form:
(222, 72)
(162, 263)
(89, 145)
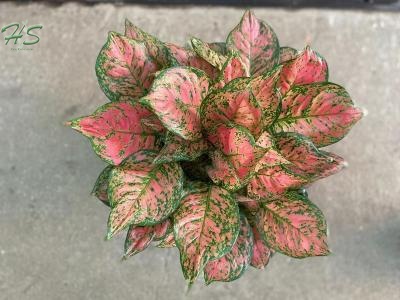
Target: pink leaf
(138, 239)
(156, 49)
(115, 130)
(286, 54)
(100, 189)
(294, 226)
(178, 149)
(234, 103)
(261, 252)
(206, 226)
(256, 43)
(264, 90)
(238, 145)
(233, 264)
(307, 160)
(189, 58)
(124, 69)
(232, 69)
(175, 98)
(222, 171)
(323, 112)
(168, 241)
(306, 67)
(270, 181)
(142, 193)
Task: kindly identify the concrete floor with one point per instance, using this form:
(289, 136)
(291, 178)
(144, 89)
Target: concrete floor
(52, 230)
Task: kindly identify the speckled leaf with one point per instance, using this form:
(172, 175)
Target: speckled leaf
(238, 145)
(204, 51)
(101, 186)
(232, 69)
(233, 264)
(307, 67)
(264, 89)
(175, 98)
(270, 181)
(307, 160)
(156, 49)
(124, 68)
(152, 123)
(138, 239)
(250, 205)
(261, 252)
(294, 226)
(256, 43)
(206, 226)
(168, 241)
(189, 58)
(323, 112)
(161, 230)
(222, 171)
(142, 193)
(234, 103)
(115, 130)
(286, 54)
(178, 149)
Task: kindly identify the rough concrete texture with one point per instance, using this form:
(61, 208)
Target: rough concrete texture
(52, 231)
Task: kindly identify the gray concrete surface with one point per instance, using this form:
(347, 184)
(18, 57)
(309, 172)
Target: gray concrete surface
(52, 230)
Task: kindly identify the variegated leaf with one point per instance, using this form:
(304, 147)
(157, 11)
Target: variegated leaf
(261, 252)
(175, 98)
(189, 58)
(204, 51)
(156, 49)
(161, 230)
(232, 69)
(238, 145)
(138, 239)
(178, 149)
(101, 186)
(233, 264)
(307, 160)
(142, 193)
(323, 112)
(206, 226)
(264, 90)
(286, 54)
(222, 171)
(251, 205)
(115, 130)
(307, 67)
(168, 241)
(256, 43)
(294, 226)
(124, 68)
(234, 103)
(271, 181)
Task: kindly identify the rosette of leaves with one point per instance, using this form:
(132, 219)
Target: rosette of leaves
(209, 147)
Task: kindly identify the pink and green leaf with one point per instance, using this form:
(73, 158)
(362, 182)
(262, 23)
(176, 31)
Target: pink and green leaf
(124, 68)
(175, 98)
(222, 171)
(233, 264)
(142, 193)
(189, 58)
(293, 226)
(206, 226)
(324, 112)
(168, 241)
(156, 49)
(271, 181)
(204, 51)
(232, 69)
(261, 252)
(306, 159)
(286, 54)
(178, 149)
(100, 188)
(234, 103)
(115, 130)
(138, 239)
(307, 67)
(256, 43)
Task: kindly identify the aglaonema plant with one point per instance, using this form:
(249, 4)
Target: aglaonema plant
(210, 147)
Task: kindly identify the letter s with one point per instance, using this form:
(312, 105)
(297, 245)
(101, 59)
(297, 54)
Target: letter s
(33, 35)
